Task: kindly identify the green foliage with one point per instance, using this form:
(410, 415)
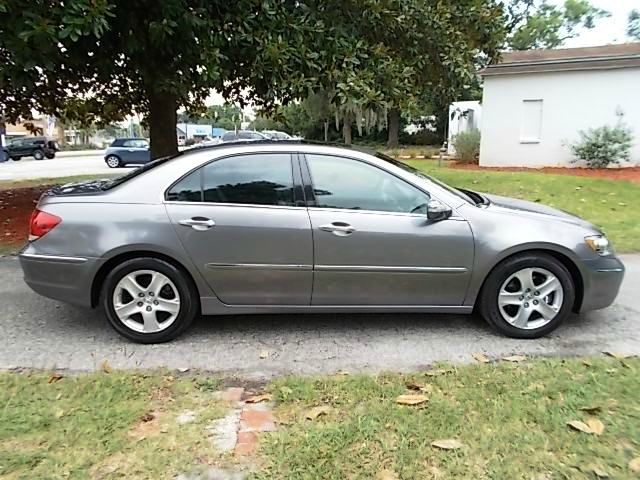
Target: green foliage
(601, 146)
(467, 145)
(633, 25)
(533, 24)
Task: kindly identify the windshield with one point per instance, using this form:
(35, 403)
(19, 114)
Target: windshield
(134, 173)
(418, 173)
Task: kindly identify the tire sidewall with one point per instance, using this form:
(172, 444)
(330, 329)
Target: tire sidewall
(38, 155)
(112, 157)
(491, 289)
(188, 299)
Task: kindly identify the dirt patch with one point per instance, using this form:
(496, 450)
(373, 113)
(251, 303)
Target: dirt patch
(629, 174)
(16, 206)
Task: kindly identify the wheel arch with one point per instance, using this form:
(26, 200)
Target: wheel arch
(111, 263)
(563, 258)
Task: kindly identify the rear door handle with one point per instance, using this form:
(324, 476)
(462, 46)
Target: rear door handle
(198, 223)
(339, 229)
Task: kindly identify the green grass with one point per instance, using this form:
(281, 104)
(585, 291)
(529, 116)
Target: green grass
(612, 205)
(36, 182)
(90, 426)
(511, 418)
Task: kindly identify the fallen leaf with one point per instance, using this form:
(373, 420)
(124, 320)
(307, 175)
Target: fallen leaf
(634, 465)
(264, 354)
(316, 412)
(105, 367)
(436, 372)
(587, 363)
(412, 385)
(342, 373)
(617, 356)
(448, 444)
(599, 471)
(183, 369)
(480, 357)
(58, 414)
(581, 426)
(592, 409)
(55, 377)
(596, 426)
(412, 399)
(515, 358)
(147, 417)
(258, 398)
(386, 475)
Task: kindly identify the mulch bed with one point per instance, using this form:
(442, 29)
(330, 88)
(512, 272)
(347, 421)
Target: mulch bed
(629, 174)
(16, 206)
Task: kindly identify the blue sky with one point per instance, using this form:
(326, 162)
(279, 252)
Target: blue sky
(607, 30)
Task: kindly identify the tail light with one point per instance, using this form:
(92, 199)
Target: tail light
(42, 223)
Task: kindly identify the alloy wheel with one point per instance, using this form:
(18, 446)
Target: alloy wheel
(530, 298)
(113, 161)
(146, 301)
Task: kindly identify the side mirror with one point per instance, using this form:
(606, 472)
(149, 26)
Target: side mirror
(436, 211)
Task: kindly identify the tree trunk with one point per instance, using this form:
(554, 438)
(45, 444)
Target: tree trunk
(62, 140)
(162, 124)
(326, 131)
(394, 128)
(346, 129)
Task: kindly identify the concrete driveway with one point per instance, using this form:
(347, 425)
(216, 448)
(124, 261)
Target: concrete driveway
(64, 165)
(41, 333)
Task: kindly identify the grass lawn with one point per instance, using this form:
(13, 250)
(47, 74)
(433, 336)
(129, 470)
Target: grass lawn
(612, 205)
(511, 419)
(6, 184)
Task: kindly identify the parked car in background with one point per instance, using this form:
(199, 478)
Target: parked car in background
(36, 147)
(243, 135)
(127, 151)
(276, 135)
(274, 227)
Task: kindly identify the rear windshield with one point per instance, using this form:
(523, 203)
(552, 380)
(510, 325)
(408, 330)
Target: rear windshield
(138, 171)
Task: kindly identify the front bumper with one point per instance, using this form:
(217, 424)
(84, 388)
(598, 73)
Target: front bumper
(68, 279)
(602, 278)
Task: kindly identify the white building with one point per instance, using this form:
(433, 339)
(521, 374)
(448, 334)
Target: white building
(535, 102)
(463, 117)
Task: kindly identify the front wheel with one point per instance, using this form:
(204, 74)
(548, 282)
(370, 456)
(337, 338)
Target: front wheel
(113, 161)
(527, 296)
(50, 156)
(16, 159)
(148, 300)
(38, 155)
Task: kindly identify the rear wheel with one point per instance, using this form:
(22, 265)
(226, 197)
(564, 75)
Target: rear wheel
(527, 296)
(38, 154)
(50, 156)
(16, 158)
(113, 161)
(148, 300)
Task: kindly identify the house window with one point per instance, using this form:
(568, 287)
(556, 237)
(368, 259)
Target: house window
(531, 126)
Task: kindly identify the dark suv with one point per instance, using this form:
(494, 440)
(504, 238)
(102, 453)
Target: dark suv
(36, 147)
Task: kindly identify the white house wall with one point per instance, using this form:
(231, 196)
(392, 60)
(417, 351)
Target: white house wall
(570, 101)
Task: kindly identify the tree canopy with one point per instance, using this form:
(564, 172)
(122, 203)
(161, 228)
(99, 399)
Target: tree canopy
(633, 25)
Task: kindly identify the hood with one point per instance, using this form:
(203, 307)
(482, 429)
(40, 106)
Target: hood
(519, 207)
(78, 188)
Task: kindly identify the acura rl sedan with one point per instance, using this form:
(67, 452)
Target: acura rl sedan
(266, 227)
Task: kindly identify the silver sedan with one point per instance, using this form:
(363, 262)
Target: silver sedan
(290, 227)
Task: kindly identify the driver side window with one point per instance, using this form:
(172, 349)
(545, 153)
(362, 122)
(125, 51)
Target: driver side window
(353, 185)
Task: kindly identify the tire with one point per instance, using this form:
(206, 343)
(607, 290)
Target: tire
(132, 326)
(50, 156)
(506, 304)
(38, 155)
(16, 159)
(113, 161)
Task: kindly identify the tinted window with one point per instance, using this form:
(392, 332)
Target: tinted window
(189, 189)
(263, 179)
(228, 136)
(135, 143)
(350, 184)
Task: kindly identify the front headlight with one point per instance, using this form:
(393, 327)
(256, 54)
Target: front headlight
(598, 243)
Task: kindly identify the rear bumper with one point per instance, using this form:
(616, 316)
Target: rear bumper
(68, 279)
(602, 279)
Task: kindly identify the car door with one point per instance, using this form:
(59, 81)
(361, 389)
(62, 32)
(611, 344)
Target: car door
(373, 244)
(243, 222)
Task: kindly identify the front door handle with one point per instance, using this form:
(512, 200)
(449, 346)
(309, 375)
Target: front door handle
(339, 229)
(198, 223)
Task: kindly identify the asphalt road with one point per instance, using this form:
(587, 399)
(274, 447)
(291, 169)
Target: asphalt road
(64, 165)
(41, 333)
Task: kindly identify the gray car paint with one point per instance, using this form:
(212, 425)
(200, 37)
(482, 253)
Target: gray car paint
(266, 265)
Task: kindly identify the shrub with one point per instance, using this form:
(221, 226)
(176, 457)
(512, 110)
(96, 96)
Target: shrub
(467, 146)
(601, 146)
(189, 141)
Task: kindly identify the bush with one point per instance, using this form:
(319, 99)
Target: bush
(467, 146)
(189, 141)
(601, 146)
(421, 137)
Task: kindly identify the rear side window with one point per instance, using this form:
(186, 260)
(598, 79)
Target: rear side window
(260, 179)
(228, 136)
(135, 143)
